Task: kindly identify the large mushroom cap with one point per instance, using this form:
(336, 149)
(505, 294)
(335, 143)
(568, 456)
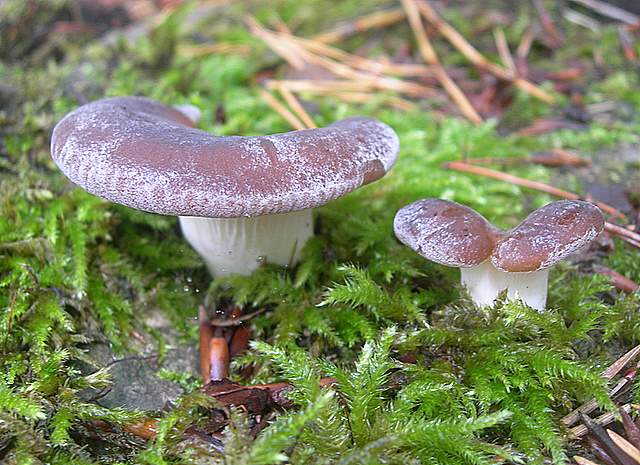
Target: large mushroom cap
(548, 235)
(140, 153)
(446, 232)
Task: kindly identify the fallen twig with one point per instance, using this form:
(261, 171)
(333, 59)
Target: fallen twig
(626, 235)
(631, 428)
(284, 51)
(504, 52)
(296, 106)
(284, 45)
(580, 431)
(611, 448)
(622, 385)
(536, 185)
(625, 446)
(555, 38)
(620, 281)
(610, 11)
(218, 357)
(553, 158)
(375, 20)
(281, 110)
(546, 125)
(355, 61)
(236, 320)
(523, 51)
(205, 336)
(347, 90)
(582, 461)
(626, 42)
(429, 56)
(476, 57)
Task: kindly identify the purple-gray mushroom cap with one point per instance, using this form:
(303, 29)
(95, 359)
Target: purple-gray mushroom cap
(146, 155)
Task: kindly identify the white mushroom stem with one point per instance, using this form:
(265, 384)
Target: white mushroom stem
(240, 245)
(485, 282)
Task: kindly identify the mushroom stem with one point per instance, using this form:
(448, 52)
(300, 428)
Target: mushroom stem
(485, 282)
(240, 245)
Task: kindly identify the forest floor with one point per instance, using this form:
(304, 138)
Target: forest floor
(385, 358)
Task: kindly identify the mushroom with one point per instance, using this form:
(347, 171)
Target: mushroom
(491, 260)
(241, 200)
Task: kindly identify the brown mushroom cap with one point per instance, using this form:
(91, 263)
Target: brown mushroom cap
(446, 232)
(548, 235)
(140, 153)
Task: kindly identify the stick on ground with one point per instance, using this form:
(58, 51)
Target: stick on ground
(297, 107)
(476, 57)
(536, 185)
(429, 56)
(375, 20)
(281, 110)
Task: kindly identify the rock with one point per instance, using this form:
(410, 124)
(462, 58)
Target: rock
(136, 385)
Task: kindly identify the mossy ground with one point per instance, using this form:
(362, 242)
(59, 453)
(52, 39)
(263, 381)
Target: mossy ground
(74, 269)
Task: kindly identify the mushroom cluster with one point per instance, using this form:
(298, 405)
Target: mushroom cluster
(241, 200)
(492, 260)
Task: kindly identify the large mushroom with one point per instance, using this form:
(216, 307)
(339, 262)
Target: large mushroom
(241, 200)
(491, 260)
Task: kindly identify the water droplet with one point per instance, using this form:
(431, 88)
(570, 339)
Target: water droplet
(260, 259)
(186, 289)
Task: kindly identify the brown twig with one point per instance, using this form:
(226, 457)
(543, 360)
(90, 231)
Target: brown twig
(297, 107)
(281, 110)
(430, 57)
(611, 448)
(504, 52)
(582, 461)
(555, 38)
(476, 57)
(239, 341)
(347, 90)
(375, 20)
(630, 237)
(536, 185)
(626, 42)
(554, 158)
(286, 52)
(610, 11)
(617, 366)
(620, 281)
(236, 320)
(599, 452)
(631, 428)
(588, 407)
(580, 431)
(355, 61)
(280, 43)
(523, 51)
(218, 357)
(205, 336)
(625, 446)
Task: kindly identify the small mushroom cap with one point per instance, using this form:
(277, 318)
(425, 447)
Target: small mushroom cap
(446, 232)
(548, 235)
(140, 153)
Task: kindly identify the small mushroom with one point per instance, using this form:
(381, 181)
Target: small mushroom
(491, 260)
(241, 200)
